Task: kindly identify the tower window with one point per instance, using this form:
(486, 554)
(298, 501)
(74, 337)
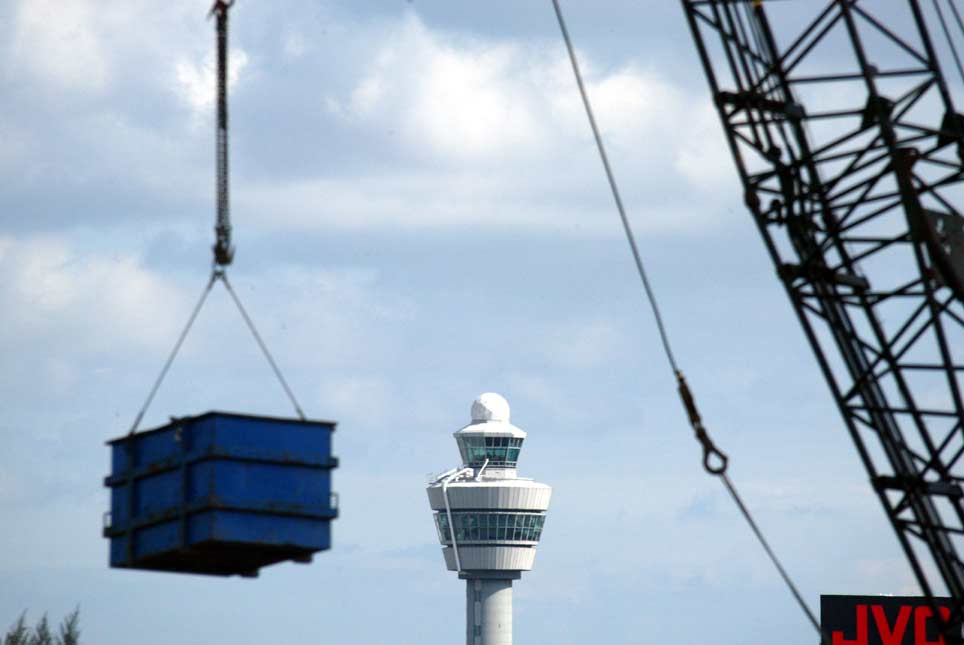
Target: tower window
(500, 451)
(490, 526)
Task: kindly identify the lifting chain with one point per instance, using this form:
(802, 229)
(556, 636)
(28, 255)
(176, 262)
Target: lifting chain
(223, 251)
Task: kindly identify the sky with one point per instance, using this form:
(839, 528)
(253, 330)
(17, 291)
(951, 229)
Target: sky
(420, 216)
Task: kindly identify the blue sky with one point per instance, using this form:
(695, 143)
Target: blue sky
(420, 217)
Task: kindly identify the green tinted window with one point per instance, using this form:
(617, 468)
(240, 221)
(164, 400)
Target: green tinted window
(500, 451)
(442, 523)
(475, 449)
(490, 526)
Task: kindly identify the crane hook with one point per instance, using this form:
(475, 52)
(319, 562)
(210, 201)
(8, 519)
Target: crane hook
(219, 7)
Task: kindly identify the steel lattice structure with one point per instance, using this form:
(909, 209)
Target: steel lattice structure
(849, 146)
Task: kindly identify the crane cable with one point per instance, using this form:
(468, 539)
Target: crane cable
(947, 33)
(714, 460)
(222, 249)
(960, 25)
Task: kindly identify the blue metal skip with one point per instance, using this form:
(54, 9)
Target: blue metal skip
(221, 494)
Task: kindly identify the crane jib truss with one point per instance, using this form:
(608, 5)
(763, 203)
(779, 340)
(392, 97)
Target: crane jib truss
(849, 147)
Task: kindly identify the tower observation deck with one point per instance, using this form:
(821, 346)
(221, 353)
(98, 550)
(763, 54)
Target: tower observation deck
(489, 520)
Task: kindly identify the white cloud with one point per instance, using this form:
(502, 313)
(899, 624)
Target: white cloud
(472, 99)
(478, 134)
(197, 80)
(419, 199)
(59, 42)
(101, 46)
(294, 45)
(451, 97)
(92, 302)
(69, 305)
(631, 104)
(702, 156)
(487, 130)
(84, 79)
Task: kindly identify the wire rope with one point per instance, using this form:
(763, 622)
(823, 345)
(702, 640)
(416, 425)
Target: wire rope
(773, 556)
(616, 196)
(947, 36)
(173, 354)
(264, 348)
(217, 274)
(957, 15)
(710, 452)
(960, 22)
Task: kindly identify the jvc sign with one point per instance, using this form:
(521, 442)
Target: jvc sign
(884, 620)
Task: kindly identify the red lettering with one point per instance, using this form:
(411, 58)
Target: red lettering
(921, 614)
(838, 637)
(888, 636)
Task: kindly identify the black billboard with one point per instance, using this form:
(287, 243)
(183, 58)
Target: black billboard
(884, 620)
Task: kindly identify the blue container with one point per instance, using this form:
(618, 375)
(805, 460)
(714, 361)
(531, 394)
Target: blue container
(221, 494)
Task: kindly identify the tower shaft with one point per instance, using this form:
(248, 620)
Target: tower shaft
(488, 611)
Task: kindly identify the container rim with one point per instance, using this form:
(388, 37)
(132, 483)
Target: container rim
(330, 425)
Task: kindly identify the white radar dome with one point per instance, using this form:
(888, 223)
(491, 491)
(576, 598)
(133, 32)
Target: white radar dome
(490, 407)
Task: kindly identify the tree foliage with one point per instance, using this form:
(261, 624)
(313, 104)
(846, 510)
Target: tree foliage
(70, 629)
(21, 634)
(41, 633)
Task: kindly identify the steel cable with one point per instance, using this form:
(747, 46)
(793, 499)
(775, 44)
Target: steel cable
(615, 191)
(947, 36)
(217, 274)
(957, 16)
(173, 354)
(773, 556)
(264, 348)
(960, 25)
(709, 449)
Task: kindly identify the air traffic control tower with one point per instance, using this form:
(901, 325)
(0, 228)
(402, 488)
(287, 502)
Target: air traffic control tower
(489, 520)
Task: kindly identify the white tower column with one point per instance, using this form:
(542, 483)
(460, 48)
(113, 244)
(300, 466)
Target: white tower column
(488, 611)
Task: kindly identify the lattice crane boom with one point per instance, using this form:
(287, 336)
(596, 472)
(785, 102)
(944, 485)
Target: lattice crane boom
(848, 143)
